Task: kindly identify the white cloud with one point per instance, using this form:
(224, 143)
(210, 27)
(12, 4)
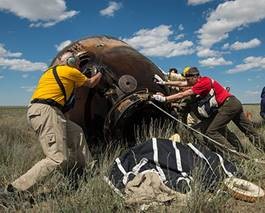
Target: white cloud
(212, 62)
(250, 62)
(206, 52)
(1, 77)
(180, 27)
(197, 2)
(251, 92)
(229, 16)
(28, 88)
(249, 96)
(226, 46)
(111, 9)
(245, 45)
(40, 13)
(155, 42)
(21, 65)
(242, 45)
(180, 36)
(62, 45)
(9, 60)
(6, 53)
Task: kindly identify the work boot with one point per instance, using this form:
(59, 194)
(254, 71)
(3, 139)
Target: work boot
(8, 195)
(13, 193)
(10, 190)
(75, 178)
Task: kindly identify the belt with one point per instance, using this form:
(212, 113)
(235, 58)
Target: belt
(227, 99)
(49, 102)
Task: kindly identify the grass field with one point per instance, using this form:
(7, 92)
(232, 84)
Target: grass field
(20, 149)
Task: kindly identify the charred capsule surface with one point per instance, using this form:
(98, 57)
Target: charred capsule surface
(120, 101)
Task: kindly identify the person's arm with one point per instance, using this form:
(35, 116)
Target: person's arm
(176, 83)
(93, 81)
(179, 95)
(161, 98)
(262, 108)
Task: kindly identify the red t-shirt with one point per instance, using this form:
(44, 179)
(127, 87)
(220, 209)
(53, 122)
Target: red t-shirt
(203, 86)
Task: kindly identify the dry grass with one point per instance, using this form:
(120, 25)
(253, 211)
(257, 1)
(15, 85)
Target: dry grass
(20, 149)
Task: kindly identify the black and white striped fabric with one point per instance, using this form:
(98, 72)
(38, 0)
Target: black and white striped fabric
(174, 162)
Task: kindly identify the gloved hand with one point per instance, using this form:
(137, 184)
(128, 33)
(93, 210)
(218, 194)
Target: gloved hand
(94, 70)
(90, 71)
(159, 80)
(159, 98)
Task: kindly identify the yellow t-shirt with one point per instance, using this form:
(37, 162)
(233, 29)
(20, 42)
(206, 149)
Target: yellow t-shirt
(48, 87)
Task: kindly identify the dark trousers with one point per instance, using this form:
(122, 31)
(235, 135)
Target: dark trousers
(232, 110)
(226, 132)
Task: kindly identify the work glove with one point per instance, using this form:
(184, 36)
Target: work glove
(159, 98)
(94, 70)
(158, 79)
(90, 71)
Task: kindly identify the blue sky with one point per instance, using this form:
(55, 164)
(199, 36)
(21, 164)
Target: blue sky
(224, 39)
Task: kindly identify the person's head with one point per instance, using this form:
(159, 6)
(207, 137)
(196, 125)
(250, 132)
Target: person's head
(69, 58)
(173, 70)
(191, 74)
(227, 89)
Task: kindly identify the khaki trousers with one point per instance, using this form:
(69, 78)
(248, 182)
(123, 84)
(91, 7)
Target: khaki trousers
(62, 142)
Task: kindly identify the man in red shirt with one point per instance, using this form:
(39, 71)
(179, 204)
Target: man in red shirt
(229, 108)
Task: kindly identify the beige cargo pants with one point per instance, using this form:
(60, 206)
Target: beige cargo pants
(62, 142)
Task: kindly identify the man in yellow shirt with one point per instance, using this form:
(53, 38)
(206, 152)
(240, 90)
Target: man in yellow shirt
(62, 141)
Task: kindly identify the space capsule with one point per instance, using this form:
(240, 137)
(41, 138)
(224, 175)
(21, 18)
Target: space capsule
(112, 110)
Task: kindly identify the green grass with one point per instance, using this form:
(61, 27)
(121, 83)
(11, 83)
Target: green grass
(20, 149)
